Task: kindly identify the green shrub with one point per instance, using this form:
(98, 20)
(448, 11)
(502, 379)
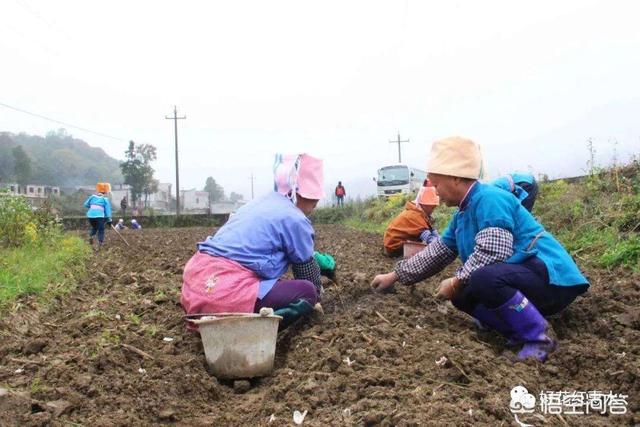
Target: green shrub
(20, 224)
(70, 204)
(629, 215)
(441, 217)
(598, 218)
(332, 215)
(551, 192)
(16, 226)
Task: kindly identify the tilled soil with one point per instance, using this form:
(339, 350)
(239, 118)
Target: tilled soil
(98, 355)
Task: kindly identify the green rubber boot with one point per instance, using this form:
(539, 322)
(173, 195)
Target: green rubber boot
(293, 312)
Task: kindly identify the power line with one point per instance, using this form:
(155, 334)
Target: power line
(104, 135)
(35, 13)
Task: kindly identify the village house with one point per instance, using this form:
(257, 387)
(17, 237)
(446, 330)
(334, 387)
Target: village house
(194, 201)
(35, 194)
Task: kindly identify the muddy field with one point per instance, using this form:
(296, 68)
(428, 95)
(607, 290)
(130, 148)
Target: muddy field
(98, 356)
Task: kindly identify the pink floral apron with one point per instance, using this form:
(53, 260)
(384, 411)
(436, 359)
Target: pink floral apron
(218, 285)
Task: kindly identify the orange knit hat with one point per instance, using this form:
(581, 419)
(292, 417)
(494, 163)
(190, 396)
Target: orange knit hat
(103, 187)
(429, 196)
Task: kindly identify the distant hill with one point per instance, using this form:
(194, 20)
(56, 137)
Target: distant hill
(58, 159)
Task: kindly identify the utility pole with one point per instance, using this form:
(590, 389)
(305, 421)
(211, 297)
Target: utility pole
(398, 142)
(175, 119)
(251, 186)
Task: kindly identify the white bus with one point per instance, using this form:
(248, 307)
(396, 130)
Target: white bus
(396, 179)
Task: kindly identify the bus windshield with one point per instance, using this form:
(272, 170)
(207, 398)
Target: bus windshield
(393, 175)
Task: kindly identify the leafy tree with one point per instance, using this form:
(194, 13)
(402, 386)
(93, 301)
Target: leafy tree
(216, 192)
(67, 160)
(150, 188)
(6, 161)
(71, 203)
(61, 134)
(137, 170)
(21, 166)
(234, 197)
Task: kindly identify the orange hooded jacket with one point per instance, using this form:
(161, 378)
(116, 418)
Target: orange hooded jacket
(406, 226)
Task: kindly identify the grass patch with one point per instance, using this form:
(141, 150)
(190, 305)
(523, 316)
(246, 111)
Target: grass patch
(597, 219)
(151, 330)
(36, 386)
(368, 226)
(50, 268)
(373, 215)
(97, 313)
(107, 338)
(135, 319)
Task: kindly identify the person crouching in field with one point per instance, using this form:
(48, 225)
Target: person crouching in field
(522, 185)
(514, 272)
(99, 212)
(414, 223)
(239, 268)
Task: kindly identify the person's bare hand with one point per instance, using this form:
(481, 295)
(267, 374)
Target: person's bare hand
(448, 288)
(384, 282)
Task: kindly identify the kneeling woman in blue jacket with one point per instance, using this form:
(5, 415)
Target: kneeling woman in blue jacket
(239, 269)
(514, 272)
(522, 185)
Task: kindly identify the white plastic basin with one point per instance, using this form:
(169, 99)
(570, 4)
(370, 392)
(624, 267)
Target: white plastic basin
(239, 345)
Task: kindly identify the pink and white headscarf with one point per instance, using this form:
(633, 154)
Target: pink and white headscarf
(298, 173)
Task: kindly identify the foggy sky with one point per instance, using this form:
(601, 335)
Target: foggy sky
(337, 79)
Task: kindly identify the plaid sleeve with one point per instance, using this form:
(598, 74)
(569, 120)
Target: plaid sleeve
(310, 271)
(493, 245)
(425, 263)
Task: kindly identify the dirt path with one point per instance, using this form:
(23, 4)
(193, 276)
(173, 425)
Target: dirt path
(371, 359)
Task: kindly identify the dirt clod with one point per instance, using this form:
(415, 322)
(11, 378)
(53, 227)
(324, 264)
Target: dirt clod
(34, 346)
(167, 415)
(241, 386)
(58, 407)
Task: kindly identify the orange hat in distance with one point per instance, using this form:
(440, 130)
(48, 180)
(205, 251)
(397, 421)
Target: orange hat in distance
(428, 196)
(103, 187)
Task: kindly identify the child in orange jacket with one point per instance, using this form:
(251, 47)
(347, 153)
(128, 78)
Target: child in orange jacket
(413, 223)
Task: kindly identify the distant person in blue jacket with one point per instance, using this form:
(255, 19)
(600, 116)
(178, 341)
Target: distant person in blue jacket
(135, 225)
(99, 212)
(522, 185)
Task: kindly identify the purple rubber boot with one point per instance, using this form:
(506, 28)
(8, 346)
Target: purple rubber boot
(486, 318)
(528, 325)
